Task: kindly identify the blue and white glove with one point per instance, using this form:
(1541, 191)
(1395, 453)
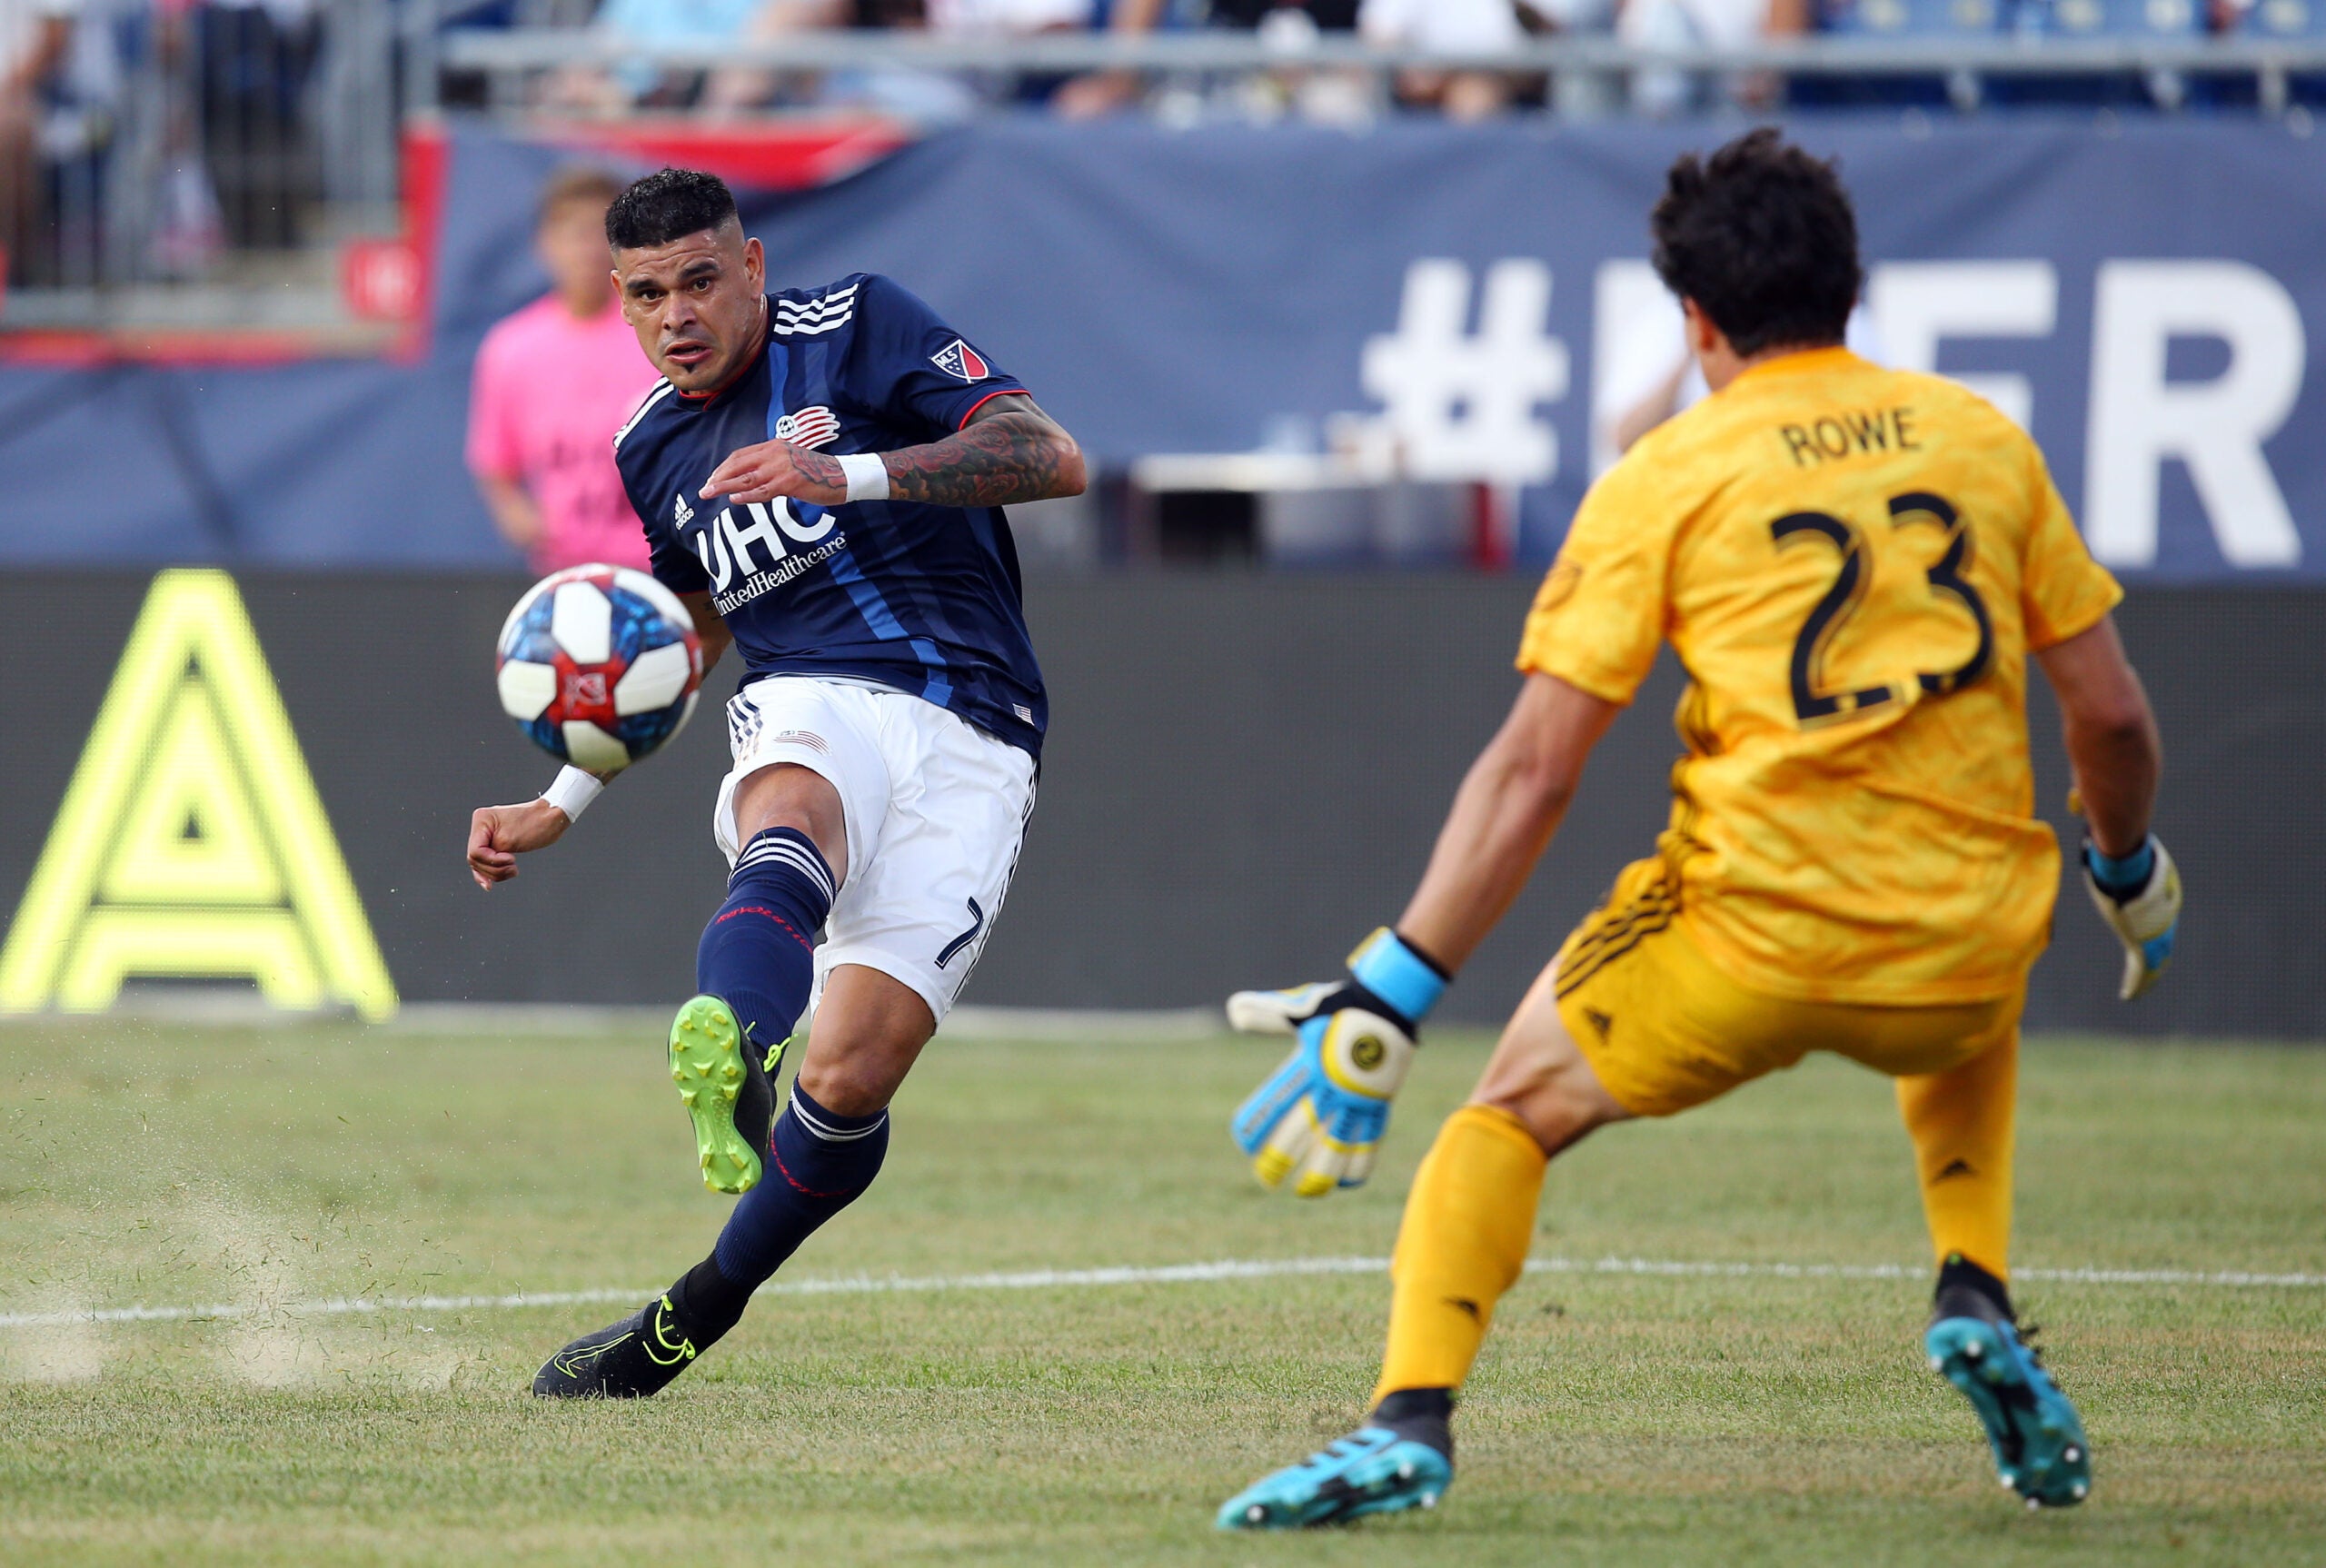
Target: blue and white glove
(2140, 897)
(1319, 1119)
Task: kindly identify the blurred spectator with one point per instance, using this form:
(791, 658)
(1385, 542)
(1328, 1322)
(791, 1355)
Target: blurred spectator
(987, 18)
(654, 22)
(1697, 24)
(1448, 25)
(1336, 97)
(1015, 19)
(910, 89)
(922, 94)
(1107, 92)
(1325, 15)
(553, 384)
(737, 89)
(254, 58)
(34, 35)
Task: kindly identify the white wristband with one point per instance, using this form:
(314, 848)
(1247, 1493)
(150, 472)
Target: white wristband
(868, 476)
(572, 793)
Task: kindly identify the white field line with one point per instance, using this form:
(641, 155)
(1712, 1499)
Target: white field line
(1174, 1274)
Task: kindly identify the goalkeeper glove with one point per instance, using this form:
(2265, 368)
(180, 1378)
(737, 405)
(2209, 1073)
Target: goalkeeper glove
(2140, 897)
(1319, 1119)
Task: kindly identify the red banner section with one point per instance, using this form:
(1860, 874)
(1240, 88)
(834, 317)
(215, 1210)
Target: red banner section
(790, 155)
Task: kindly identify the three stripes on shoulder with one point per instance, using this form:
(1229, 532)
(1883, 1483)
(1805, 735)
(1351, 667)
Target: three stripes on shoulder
(811, 318)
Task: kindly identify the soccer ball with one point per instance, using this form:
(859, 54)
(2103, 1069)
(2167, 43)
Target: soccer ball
(599, 665)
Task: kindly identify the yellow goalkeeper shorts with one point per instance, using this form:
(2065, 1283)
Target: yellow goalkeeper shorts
(1666, 1029)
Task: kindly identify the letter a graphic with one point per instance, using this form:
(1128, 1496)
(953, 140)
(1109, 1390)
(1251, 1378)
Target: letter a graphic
(192, 842)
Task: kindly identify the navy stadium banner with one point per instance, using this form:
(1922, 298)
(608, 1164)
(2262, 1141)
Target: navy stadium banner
(1244, 774)
(2139, 290)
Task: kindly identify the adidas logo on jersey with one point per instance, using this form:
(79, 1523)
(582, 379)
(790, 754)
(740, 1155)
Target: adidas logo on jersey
(682, 513)
(957, 358)
(817, 426)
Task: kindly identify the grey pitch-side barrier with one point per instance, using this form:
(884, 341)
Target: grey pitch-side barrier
(1243, 777)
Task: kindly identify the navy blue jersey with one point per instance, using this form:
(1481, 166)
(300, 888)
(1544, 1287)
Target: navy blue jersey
(923, 599)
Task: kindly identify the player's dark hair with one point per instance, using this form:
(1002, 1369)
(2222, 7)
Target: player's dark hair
(668, 204)
(1762, 236)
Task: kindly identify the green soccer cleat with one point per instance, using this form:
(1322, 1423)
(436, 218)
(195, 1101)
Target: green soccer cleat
(729, 1091)
(1373, 1470)
(2040, 1448)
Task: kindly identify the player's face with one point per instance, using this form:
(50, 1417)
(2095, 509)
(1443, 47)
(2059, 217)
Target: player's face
(697, 305)
(572, 243)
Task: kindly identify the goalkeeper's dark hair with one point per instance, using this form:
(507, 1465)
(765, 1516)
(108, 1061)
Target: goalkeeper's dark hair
(1762, 237)
(668, 204)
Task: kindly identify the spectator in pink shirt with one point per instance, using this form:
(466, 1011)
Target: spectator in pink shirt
(553, 384)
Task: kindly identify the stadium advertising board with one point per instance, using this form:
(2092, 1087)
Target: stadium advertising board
(191, 843)
(269, 783)
(1470, 303)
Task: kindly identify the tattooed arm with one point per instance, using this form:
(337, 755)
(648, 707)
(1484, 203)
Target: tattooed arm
(1009, 451)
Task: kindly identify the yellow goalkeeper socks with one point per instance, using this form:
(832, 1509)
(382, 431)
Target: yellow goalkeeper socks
(1961, 1122)
(1468, 1222)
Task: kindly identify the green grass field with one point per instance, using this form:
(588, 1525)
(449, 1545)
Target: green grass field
(1666, 1419)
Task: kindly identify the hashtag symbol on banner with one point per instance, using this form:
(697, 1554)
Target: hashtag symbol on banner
(1462, 405)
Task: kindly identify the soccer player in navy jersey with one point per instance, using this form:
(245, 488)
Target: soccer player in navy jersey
(821, 474)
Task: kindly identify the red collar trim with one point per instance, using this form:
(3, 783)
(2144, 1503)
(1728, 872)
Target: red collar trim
(705, 398)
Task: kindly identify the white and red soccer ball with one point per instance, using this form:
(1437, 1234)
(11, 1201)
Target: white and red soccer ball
(599, 665)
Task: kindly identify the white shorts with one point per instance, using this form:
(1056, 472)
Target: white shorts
(936, 812)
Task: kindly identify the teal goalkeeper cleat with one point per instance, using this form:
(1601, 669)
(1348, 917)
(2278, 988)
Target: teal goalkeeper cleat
(1373, 1470)
(2040, 1447)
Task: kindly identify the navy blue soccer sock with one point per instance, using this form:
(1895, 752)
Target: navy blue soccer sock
(758, 951)
(818, 1162)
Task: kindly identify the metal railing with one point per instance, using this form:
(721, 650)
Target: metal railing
(213, 175)
(508, 58)
(199, 167)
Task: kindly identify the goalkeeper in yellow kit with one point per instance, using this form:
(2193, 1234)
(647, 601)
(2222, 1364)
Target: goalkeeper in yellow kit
(1854, 566)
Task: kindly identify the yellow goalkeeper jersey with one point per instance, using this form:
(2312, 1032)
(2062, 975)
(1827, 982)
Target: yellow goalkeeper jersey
(1854, 564)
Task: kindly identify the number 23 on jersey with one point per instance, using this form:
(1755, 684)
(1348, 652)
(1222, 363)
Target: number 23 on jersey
(1814, 700)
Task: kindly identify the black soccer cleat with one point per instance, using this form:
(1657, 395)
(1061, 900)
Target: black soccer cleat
(632, 1359)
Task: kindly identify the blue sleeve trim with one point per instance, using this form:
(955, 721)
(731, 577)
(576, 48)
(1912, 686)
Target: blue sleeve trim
(1400, 977)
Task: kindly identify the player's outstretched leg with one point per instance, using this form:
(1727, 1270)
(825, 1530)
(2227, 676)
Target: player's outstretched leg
(1973, 1343)
(1961, 1121)
(755, 965)
(821, 1162)
(1462, 1245)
